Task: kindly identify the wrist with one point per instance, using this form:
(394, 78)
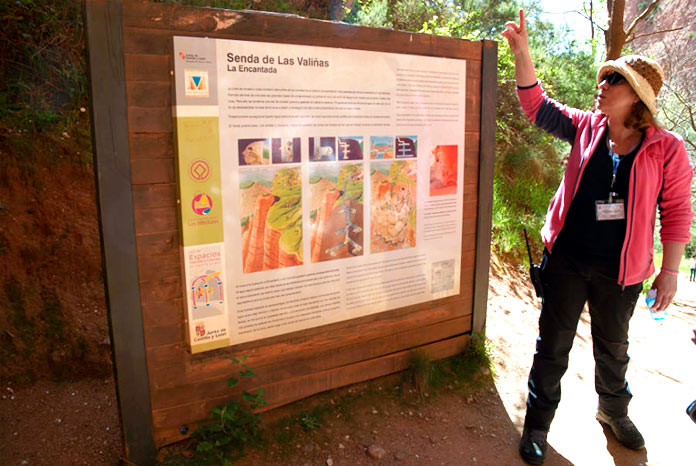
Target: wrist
(669, 271)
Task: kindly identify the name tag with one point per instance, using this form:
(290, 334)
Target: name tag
(605, 210)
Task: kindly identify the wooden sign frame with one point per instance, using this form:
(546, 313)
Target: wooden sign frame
(162, 387)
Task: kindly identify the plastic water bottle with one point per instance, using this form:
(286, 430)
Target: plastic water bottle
(650, 302)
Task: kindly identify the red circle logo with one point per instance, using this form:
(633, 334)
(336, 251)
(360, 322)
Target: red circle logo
(199, 171)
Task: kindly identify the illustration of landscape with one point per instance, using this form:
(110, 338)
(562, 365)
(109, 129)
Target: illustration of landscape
(336, 212)
(393, 205)
(271, 218)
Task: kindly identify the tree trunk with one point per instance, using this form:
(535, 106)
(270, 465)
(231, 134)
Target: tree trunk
(615, 36)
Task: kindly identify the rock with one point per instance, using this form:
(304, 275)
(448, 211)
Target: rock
(485, 371)
(400, 455)
(376, 452)
(308, 447)
(329, 462)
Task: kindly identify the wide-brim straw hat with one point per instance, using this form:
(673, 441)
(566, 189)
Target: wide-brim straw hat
(643, 74)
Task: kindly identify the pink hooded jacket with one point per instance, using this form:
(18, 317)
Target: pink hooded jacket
(661, 175)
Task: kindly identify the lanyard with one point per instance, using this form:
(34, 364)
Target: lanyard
(615, 160)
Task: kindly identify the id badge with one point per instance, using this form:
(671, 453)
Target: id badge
(605, 210)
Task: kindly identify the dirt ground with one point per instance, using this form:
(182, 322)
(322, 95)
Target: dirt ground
(479, 424)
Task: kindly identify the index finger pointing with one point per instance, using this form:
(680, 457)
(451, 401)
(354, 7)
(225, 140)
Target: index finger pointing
(522, 26)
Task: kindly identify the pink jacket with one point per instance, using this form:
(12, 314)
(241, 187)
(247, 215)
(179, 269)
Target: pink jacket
(661, 174)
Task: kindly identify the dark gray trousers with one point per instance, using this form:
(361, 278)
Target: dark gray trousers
(568, 284)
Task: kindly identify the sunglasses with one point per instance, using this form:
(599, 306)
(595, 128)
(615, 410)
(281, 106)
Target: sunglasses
(613, 78)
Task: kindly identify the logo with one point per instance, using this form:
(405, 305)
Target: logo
(199, 171)
(200, 329)
(196, 83)
(202, 204)
(182, 55)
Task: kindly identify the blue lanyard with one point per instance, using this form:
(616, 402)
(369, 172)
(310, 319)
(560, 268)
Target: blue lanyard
(615, 160)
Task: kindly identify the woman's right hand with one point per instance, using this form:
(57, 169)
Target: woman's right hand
(516, 35)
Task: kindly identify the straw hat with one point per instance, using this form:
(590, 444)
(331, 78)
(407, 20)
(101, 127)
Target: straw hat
(643, 74)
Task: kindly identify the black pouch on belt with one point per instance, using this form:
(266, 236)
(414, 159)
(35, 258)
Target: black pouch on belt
(534, 270)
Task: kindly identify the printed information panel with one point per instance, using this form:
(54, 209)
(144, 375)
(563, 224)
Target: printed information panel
(316, 184)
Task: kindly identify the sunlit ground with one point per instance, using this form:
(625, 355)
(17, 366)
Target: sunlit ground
(661, 376)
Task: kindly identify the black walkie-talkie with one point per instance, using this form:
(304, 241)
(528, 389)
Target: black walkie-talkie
(534, 270)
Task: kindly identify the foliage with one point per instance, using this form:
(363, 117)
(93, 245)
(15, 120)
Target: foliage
(518, 203)
(311, 9)
(478, 355)
(43, 79)
(309, 421)
(422, 372)
(528, 161)
(233, 426)
(427, 375)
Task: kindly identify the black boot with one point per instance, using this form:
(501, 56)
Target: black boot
(623, 429)
(533, 446)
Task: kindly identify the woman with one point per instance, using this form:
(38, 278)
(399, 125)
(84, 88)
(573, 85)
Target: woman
(599, 231)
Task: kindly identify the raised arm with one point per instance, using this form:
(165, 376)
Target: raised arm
(516, 35)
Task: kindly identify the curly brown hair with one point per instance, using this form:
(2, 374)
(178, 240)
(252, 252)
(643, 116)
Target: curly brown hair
(640, 118)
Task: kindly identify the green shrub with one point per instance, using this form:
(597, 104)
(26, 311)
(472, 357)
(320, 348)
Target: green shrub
(42, 63)
(518, 203)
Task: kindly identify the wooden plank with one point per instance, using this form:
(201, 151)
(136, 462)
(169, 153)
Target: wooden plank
(156, 220)
(163, 313)
(149, 93)
(112, 165)
(148, 196)
(166, 335)
(214, 385)
(158, 243)
(486, 168)
(152, 171)
(473, 103)
(307, 342)
(143, 41)
(468, 244)
(148, 68)
(150, 120)
(161, 290)
(272, 27)
(168, 421)
(151, 145)
(468, 226)
(470, 208)
(167, 355)
(155, 267)
(469, 191)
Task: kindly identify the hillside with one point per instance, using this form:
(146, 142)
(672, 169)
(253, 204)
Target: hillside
(670, 15)
(52, 310)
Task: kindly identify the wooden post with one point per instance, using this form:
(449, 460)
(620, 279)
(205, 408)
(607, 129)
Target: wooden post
(103, 24)
(489, 96)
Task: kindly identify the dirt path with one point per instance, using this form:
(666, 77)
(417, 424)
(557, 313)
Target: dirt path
(661, 376)
(76, 424)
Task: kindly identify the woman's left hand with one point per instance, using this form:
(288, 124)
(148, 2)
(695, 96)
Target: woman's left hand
(666, 286)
